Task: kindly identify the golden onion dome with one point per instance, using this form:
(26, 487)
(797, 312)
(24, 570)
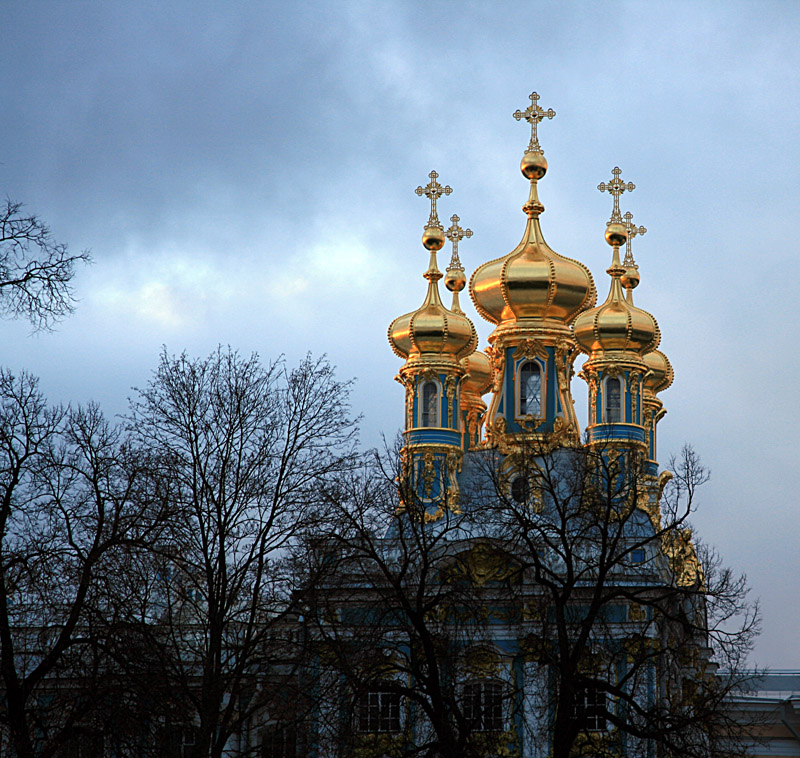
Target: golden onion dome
(532, 281)
(661, 373)
(478, 380)
(617, 325)
(432, 329)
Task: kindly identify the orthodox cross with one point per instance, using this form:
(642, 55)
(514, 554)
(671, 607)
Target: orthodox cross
(533, 114)
(455, 234)
(433, 191)
(633, 231)
(616, 187)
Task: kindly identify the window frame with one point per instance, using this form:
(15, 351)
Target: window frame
(286, 734)
(590, 709)
(638, 556)
(384, 716)
(519, 388)
(436, 421)
(491, 716)
(620, 408)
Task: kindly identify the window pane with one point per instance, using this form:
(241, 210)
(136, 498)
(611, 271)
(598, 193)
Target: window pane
(590, 709)
(379, 711)
(613, 401)
(279, 741)
(430, 403)
(520, 489)
(530, 398)
(483, 706)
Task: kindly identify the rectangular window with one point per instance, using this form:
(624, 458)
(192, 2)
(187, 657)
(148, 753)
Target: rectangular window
(379, 711)
(638, 555)
(589, 710)
(483, 706)
(177, 741)
(278, 741)
(83, 743)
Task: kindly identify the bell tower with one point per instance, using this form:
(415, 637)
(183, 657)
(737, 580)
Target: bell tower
(434, 341)
(532, 296)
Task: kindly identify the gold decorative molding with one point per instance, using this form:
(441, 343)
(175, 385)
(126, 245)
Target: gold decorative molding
(530, 348)
(450, 393)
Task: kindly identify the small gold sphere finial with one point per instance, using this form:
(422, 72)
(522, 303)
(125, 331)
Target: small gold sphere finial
(616, 234)
(455, 279)
(533, 165)
(433, 237)
(630, 279)
(533, 114)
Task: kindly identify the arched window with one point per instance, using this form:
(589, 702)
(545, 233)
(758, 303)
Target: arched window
(483, 705)
(613, 398)
(520, 489)
(530, 389)
(430, 404)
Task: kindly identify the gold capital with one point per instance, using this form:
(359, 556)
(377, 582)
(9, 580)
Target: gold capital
(533, 114)
(433, 191)
(616, 187)
(633, 231)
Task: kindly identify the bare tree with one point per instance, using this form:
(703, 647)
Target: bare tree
(631, 617)
(35, 271)
(245, 451)
(562, 608)
(402, 606)
(71, 508)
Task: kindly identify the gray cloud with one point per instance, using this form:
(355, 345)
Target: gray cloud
(244, 174)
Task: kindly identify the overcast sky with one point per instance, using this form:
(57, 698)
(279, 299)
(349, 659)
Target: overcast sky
(244, 174)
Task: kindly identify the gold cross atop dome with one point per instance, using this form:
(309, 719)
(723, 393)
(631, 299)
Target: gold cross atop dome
(533, 114)
(455, 234)
(633, 231)
(616, 187)
(433, 191)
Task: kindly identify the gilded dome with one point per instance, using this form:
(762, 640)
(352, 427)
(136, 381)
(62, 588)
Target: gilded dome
(617, 325)
(478, 380)
(661, 375)
(532, 281)
(432, 329)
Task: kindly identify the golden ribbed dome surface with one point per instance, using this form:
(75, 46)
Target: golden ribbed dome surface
(616, 325)
(532, 281)
(479, 373)
(432, 329)
(661, 375)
